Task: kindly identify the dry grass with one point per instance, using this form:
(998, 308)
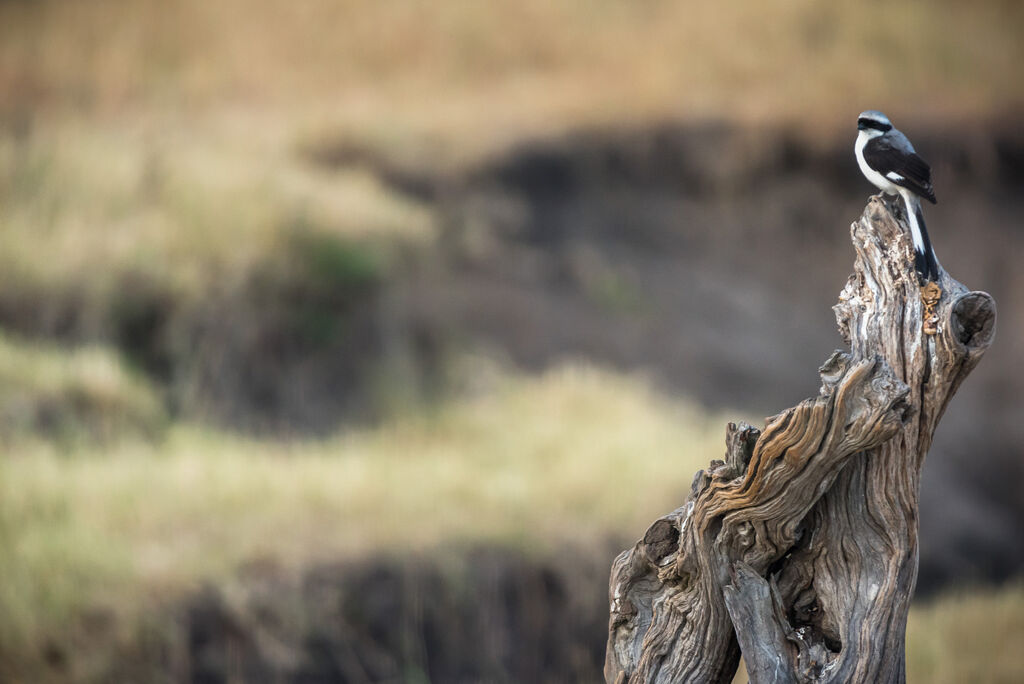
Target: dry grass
(158, 143)
(401, 70)
(968, 636)
(526, 463)
(161, 138)
(67, 398)
(121, 530)
(85, 204)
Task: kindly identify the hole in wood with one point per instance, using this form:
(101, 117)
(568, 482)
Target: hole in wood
(973, 319)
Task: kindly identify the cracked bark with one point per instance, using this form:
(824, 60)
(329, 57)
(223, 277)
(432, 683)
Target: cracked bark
(800, 548)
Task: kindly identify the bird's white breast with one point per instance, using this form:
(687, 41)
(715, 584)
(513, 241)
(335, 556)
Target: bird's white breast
(880, 181)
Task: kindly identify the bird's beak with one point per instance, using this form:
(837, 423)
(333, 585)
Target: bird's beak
(861, 126)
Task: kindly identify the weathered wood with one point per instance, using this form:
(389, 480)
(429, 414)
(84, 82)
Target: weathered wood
(801, 546)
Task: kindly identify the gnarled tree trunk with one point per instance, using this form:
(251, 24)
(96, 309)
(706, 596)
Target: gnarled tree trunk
(800, 548)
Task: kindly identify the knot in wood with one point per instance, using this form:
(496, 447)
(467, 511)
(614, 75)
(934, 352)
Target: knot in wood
(832, 371)
(661, 539)
(745, 535)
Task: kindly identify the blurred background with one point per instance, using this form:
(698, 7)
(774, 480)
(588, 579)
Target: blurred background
(349, 341)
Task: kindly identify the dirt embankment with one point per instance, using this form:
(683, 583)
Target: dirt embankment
(484, 616)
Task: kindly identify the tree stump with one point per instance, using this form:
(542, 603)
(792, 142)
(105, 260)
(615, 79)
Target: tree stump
(799, 549)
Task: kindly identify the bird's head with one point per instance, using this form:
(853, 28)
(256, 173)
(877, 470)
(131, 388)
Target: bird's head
(873, 122)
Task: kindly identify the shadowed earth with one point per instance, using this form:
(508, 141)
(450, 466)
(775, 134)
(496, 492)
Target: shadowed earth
(484, 615)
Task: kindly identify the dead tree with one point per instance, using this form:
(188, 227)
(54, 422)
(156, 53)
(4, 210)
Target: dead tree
(800, 548)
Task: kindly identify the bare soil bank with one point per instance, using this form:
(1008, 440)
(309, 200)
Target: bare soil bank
(485, 615)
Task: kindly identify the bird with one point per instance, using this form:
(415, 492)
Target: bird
(887, 159)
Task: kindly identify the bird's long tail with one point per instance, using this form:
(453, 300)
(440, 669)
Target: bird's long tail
(924, 257)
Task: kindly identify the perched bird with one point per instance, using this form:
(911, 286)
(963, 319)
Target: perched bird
(888, 160)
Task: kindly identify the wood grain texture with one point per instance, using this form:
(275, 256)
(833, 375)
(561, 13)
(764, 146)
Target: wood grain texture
(800, 547)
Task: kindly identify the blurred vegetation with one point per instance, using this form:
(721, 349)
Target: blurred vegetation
(165, 238)
(967, 637)
(198, 264)
(125, 528)
(116, 534)
(86, 396)
(398, 71)
(158, 191)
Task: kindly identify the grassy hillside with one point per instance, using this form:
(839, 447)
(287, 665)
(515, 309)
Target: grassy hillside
(66, 399)
(115, 535)
(124, 528)
(157, 185)
(162, 148)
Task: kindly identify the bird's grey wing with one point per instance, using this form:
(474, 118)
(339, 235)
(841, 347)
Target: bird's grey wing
(900, 164)
(898, 141)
